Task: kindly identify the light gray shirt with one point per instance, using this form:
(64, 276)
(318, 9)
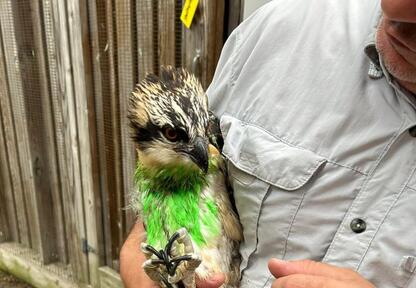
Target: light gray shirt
(319, 141)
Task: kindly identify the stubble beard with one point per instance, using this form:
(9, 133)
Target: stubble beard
(395, 64)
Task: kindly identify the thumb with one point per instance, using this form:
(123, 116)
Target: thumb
(213, 282)
(280, 268)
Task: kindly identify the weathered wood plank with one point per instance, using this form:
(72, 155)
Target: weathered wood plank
(33, 273)
(233, 15)
(4, 225)
(203, 41)
(109, 278)
(127, 78)
(30, 235)
(48, 190)
(28, 35)
(166, 44)
(73, 200)
(102, 43)
(6, 184)
(147, 35)
(115, 200)
(84, 111)
(6, 206)
(55, 131)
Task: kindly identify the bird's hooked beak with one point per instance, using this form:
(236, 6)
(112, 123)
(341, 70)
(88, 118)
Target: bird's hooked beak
(199, 153)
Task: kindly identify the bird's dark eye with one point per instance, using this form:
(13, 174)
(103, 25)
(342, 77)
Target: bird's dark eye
(170, 133)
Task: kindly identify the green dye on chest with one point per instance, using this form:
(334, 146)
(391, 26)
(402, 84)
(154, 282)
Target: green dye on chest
(171, 199)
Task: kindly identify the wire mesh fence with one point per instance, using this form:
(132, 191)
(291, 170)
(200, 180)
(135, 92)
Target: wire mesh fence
(67, 160)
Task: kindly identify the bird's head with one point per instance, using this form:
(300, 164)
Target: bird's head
(169, 116)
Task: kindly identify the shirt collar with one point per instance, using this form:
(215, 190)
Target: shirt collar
(374, 71)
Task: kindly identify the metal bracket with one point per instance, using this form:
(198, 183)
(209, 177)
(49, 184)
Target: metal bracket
(85, 247)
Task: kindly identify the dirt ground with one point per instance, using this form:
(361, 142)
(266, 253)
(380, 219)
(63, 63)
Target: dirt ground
(8, 281)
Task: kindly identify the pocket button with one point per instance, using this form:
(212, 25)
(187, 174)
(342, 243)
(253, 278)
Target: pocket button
(412, 131)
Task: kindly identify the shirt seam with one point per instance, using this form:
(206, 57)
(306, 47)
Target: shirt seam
(408, 187)
(234, 59)
(362, 190)
(292, 223)
(285, 141)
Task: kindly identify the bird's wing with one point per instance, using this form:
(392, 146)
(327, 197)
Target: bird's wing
(214, 131)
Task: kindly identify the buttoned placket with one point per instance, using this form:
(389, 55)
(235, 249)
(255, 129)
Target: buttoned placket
(382, 189)
(395, 167)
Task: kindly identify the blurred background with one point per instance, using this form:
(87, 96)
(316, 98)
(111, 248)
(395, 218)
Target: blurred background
(67, 68)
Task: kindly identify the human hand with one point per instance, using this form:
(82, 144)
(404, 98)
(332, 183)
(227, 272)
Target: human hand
(214, 282)
(131, 260)
(311, 274)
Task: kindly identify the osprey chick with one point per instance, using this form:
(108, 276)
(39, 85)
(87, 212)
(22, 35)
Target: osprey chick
(181, 194)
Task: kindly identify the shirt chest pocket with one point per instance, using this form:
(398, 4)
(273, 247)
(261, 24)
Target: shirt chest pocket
(258, 163)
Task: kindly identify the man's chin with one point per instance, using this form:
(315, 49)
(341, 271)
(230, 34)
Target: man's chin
(396, 65)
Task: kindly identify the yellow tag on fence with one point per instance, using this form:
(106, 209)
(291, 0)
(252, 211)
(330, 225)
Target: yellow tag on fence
(188, 12)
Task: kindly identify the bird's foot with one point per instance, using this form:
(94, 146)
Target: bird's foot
(177, 262)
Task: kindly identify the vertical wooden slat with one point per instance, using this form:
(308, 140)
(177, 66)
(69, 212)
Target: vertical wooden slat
(19, 117)
(203, 41)
(84, 111)
(57, 132)
(4, 225)
(166, 51)
(233, 16)
(73, 199)
(97, 58)
(51, 190)
(6, 206)
(126, 76)
(102, 41)
(146, 33)
(7, 187)
(28, 37)
(116, 195)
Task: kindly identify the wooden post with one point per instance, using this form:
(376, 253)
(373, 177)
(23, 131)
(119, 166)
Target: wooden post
(116, 195)
(7, 209)
(127, 78)
(73, 199)
(50, 189)
(203, 41)
(6, 206)
(6, 179)
(30, 234)
(107, 107)
(167, 43)
(233, 15)
(147, 37)
(84, 117)
(56, 131)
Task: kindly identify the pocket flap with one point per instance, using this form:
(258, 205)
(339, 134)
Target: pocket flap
(262, 155)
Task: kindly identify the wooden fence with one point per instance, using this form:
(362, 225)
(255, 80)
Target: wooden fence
(67, 68)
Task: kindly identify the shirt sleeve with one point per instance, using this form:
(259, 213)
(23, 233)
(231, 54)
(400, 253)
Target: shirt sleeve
(242, 39)
(224, 74)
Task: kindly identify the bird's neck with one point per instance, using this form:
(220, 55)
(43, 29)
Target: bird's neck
(170, 178)
(170, 198)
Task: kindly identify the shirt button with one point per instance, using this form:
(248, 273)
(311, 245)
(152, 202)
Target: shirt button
(412, 131)
(358, 225)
